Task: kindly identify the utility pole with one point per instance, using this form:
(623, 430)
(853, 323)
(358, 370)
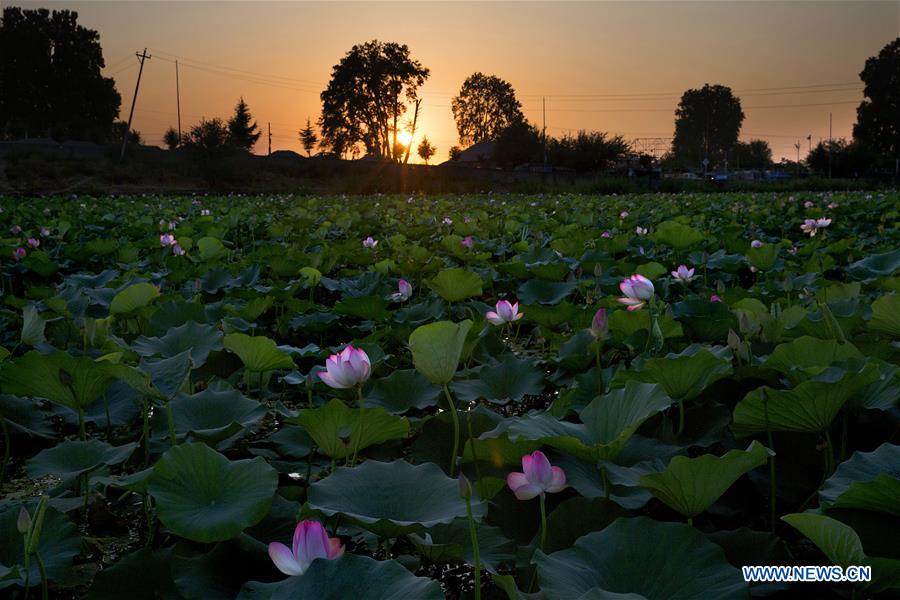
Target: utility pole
(178, 101)
(797, 146)
(544, 129)
(809, 143)
(270, 138)
(829, 145)
(143, 56)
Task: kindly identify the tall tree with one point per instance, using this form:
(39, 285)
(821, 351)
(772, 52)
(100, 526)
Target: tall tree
(50, 81)
(367, 96)
(755, 154)
(308, 137)
(170, 138)
(707, 124)
(841, 158)
(242, 129)
(210, 138)
(484, 107)
(878, 116)
(587, 151)
(519, 143)
(426, 150)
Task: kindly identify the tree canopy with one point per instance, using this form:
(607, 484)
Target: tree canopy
(586, 151)
(426, 150)
(755, 154)
(878, 116)
(242, 129)
(50, 81)
(308, 137)
(485, 106)
(707, 124)
(367, 97)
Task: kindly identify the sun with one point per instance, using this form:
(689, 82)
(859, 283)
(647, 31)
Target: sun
(404, 137)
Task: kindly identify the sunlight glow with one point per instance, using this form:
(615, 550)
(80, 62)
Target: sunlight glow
(404, 137)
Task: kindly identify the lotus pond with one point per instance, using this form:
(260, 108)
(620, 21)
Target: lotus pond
(543, 397)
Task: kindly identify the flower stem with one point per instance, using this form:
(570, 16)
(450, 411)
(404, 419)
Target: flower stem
(475, 549)
(543, 520)
(81, 433)
(6, 448)
(359, 427)
(680, 418)
(455, 418)
(170, 422)
(40, 564)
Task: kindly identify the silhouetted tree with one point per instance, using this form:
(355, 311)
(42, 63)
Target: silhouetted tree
(847, 159)
(50, 81)
(367, 96)
(210, 138)
(171, 139)
(484, 107)
(517, 144)
(308, 138)
(243, 133)
(586, 151)
(707, 124)
(118, 131)
(755, 154)
(454, 152)
(426, 150)
(878, 116)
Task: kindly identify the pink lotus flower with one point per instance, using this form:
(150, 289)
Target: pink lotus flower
(369, 242)
(811, 226)
(623, 214)
(606, 234)
(15, 230)
(539, 477)
(310, 542)
(19, 253)
(166, 239)
(808, 204)
(714, 298)
(505, 313)
(600, 324)
(177, 250)
(447, 221)
(403, 293)
(756, 244)
(347, 369)
(45, 232)
(33, 242)
(640, 230)
(637, 289)
(467, 242)
(683, 274)
(833, 205)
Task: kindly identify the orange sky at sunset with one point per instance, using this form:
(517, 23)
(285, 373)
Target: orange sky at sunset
(610, 66)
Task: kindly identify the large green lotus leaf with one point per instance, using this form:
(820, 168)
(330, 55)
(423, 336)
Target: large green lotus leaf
(867, 480)
(641, 558)
(763, 257)
(629, 323)
(685, 375)
(200, 339)
(436, 349)
(25, 416)
(335, 428)
(677, 235)
(836, 540)
(32, 326)
(202, 496)
(539, 291)
(704, 320)
(58, 545)
(403, 390)
(363, 307)
(807, 356)
(258, 353)
(59, 377)
(452, 543)
(576, 517)
(210, 248)
(219, 573)
(214, 415)
(506, 381)
(391, 498)
(691, 485)
(68, 460)
(454, 285)
(607, 423)
(133, 297)
(350, 576)
(886, 315)
(809, 407)
(876, 265)
(147, 575)
(168, 375)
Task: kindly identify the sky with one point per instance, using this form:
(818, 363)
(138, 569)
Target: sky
(618, 67)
